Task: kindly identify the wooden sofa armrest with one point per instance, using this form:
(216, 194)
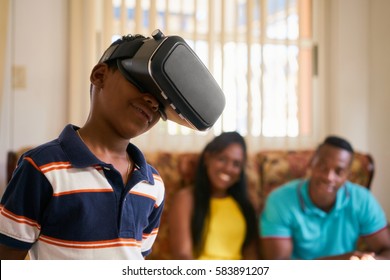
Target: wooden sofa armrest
(12, 159)
(363, 169)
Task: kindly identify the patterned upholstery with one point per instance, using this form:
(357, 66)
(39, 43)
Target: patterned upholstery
(266, 170)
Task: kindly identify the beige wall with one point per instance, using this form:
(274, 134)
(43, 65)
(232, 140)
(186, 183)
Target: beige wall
(36, 43)
(379, 92)
(353, 86)
(348, 71)
(3, 38)
(358, 82)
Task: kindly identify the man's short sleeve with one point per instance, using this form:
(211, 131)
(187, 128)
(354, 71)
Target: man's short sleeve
(372, 216)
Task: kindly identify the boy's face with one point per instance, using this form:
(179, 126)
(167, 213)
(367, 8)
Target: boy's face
(121, 105)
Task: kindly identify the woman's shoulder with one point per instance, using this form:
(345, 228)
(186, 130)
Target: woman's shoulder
(185, 195)
(182, 204)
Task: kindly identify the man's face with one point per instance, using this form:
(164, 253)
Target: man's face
(329, 170)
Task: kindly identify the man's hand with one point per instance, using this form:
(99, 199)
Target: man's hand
(357, 255)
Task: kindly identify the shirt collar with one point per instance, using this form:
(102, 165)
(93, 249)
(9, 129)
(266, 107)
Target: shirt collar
(80, 156)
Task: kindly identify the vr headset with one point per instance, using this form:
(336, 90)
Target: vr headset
(167, 68)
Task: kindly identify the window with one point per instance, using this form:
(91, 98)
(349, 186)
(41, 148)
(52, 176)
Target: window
(259, 51)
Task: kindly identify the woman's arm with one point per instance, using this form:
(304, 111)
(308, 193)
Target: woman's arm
(251, 251)
(180, 213)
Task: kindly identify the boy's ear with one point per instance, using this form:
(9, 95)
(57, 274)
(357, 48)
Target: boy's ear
(97, 74)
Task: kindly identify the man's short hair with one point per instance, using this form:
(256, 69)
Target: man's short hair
(338, 142)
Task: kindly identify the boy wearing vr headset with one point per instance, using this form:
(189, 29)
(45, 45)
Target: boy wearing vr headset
(90, 194)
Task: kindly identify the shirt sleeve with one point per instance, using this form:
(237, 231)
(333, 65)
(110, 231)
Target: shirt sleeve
(150, 233)
(151, 230)
(22, 206)
(372, 216)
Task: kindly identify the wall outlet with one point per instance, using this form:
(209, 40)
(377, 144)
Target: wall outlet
(19, 77)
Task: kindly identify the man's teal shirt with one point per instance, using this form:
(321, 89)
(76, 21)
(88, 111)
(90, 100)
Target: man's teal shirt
(290, 213)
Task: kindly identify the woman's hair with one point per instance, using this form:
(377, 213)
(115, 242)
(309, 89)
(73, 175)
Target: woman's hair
(202, 190)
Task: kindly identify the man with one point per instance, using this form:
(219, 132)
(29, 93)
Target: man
(90, 194)
(324, 216)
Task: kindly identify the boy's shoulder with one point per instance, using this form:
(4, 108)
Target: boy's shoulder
(52, 150)
(44, 152)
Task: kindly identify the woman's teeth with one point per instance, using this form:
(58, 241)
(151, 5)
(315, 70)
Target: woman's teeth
(224, 177)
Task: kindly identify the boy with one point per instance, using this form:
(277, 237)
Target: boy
(89, 194)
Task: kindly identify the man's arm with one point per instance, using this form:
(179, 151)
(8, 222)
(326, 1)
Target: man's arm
(276, 248)
(379, 243)
(8, 253)
(378, 248)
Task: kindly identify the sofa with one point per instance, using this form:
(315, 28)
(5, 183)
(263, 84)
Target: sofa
(265, 170)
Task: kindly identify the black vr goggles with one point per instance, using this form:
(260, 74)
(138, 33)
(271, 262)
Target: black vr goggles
(167, 68)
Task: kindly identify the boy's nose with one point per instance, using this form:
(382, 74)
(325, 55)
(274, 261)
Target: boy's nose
(152, 101)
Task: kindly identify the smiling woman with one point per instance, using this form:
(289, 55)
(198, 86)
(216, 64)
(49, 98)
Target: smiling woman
(214, 218)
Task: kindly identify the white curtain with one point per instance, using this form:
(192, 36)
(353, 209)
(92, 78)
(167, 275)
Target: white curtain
(259, 51)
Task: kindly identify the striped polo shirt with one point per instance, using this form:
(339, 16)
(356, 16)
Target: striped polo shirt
(64, 203)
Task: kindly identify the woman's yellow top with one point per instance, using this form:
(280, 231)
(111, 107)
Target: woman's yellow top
(224, 231)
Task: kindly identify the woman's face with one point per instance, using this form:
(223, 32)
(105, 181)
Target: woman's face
(224, 168)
